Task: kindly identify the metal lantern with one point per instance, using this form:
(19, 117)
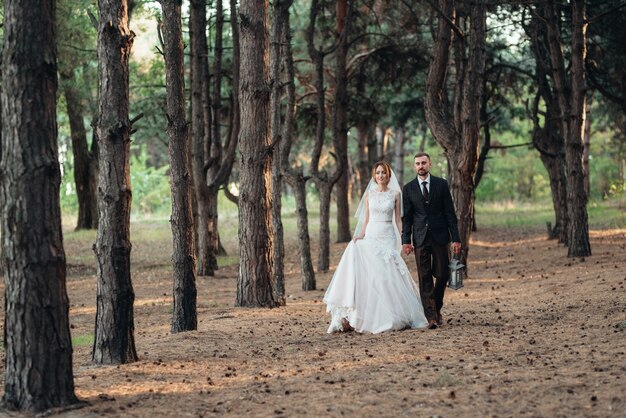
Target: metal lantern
(457, 273)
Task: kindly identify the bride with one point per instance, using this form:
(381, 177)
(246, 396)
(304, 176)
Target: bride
(372, 289)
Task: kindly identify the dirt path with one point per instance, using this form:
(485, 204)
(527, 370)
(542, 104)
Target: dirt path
(532, 333)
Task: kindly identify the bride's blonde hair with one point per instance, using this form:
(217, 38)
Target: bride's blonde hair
(383, 164)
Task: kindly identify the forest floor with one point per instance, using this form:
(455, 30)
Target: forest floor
(532, 333)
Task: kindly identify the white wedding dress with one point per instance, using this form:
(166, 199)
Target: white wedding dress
(372, 287)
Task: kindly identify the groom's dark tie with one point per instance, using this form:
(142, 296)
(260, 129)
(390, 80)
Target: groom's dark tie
(425, 191)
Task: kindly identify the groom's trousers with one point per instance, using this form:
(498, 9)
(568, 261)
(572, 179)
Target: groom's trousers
(432, 270)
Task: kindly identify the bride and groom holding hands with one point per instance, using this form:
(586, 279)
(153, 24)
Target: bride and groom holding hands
(372, 289)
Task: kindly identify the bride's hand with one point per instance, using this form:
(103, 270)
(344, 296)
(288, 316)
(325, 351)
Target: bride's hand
(356, 238)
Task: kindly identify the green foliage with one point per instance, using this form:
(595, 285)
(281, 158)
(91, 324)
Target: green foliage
(386, 88)
(150, 185)
(82, 340)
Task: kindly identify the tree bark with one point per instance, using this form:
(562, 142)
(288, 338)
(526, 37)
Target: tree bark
(344, 14)
(363, 165)
(184, 317)
(325, 194)
(587, 143)
(280, 10)
(94, 172)
(114, 340)
(379, 134)
(83, 159)
(37, 342)
(457, 128)
(570, 94)
(222, 158)
(216, 159)
(547, 138)
(295, 178)
(200, 134)
(323, 180)
(254, 282)
(398, 154)
(578, 243)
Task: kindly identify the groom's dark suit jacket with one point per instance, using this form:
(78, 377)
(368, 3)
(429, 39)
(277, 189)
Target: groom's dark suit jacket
(438, 216)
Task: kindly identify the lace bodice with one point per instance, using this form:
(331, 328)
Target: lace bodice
(381, 205)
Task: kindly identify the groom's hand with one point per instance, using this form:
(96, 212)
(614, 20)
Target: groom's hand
(407, 249)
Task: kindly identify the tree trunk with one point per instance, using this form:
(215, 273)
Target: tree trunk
(80, 151)
(37, 342)
(570, 94)
(280, 12)
(94, 172)
(398, 154)
(222, 158)
(547, 139)
(254, 282)
(216, 157)
(114, 340)
(379, 134)
(556, 173)
(323, 259)
(457, 129)
(578, 243)
(363, 130)
(306, 263)
(422, 145)
(587, 143)
(343, 16)
(296, 179)
(323, 180)
(184, 316)
(200, 134)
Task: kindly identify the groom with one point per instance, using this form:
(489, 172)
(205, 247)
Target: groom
(430, 221)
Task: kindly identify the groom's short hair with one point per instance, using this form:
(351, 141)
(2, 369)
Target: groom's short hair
(422, 154)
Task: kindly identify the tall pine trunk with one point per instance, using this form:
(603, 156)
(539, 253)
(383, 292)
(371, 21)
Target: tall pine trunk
(295, 178)
(184, 316)
(325, 194)
(218, 159)
(254, 282)
(398, 154)
(324, 181)
(114, 340)
(569, 91)
(578, 242)
(363, 129)
(340, 118)
(81, 155)
(200, 134)
(37, 342)
(547, 138)
(457, 127)
(280, 11)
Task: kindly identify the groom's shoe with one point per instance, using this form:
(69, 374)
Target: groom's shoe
(432, 324)
(439, 319)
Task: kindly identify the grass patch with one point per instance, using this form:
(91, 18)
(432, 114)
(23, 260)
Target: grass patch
(608, 214)
(513, 214)
(227, 260)
(82, 340)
